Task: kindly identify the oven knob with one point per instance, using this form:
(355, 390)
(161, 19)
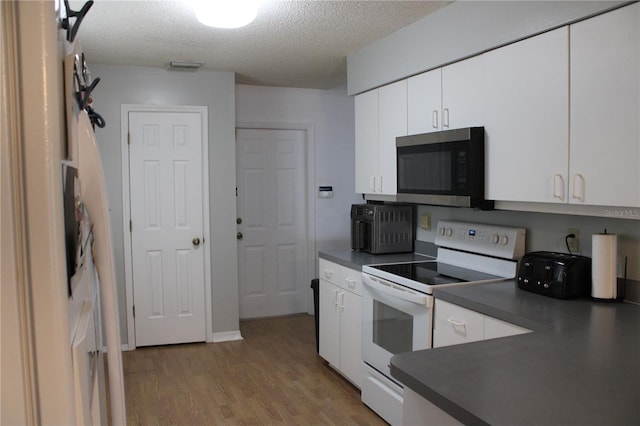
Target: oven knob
(448, 232)
(494, 239)
(504, 240)
(441, 231)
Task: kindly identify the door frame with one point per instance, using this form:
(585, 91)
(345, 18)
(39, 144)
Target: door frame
(125, 109)
(310, 205)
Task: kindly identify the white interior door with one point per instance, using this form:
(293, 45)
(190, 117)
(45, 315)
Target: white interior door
(165, 163)
(271, 180)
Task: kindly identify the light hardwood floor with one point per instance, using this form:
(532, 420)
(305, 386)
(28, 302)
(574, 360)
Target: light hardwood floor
(273, 376)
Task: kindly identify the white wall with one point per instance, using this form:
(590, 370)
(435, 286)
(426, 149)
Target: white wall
(151, 86)
(457, 31)
(331, 112)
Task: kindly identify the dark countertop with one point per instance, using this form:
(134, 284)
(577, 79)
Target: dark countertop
(579, 366)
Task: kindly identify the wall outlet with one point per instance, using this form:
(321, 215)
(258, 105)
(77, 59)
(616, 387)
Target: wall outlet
(574, 243)
(425, 221)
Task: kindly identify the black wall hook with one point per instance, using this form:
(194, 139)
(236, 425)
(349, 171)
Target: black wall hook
(84, 95)
(96, 119)
(72, 30)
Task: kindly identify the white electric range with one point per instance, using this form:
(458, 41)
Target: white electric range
(397, 302)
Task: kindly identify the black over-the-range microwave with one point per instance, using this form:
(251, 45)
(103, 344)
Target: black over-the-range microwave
(443, 168)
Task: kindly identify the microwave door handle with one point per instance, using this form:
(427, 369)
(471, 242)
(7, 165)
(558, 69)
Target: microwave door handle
(400, 292)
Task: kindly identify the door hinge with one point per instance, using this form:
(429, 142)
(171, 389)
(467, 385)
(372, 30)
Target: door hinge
(130, 226)
(128, 138)
(134, 311)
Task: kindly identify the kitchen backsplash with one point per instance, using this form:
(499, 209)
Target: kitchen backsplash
(547, 231)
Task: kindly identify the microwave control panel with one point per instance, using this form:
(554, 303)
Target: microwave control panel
(492, 240)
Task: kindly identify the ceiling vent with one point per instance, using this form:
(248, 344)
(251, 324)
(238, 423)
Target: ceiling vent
(184, 66)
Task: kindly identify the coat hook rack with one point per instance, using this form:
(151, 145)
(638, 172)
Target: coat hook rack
(85, 94)
(72, 30)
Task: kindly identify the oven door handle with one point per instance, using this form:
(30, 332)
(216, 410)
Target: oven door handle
(398, 291)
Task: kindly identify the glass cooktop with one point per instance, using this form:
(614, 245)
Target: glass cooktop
(435, 273)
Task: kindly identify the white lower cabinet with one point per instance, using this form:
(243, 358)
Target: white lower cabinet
(417, 410)
(453, 325)
(340, 319)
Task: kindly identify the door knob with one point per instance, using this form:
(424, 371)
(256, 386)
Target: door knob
(196, 241)
(239, 235)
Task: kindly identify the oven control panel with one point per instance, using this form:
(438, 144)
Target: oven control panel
(492, 240)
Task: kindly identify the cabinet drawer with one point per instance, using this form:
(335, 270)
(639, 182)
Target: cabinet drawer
(346, 278)
(453, 325)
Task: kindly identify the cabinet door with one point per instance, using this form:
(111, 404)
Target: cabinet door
(393, 123)
(350, 337)
(453, 325)
(527, 119)
(329, 334)
(366, 140)
(605, 106)
(424, 102)
(463, 94)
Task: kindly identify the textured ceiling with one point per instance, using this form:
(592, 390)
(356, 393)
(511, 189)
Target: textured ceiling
(291, 43)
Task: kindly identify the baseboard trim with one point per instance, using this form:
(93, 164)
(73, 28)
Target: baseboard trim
(226, 336)
(123, 347)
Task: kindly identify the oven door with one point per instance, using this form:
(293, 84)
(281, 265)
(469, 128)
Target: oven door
(395, 319)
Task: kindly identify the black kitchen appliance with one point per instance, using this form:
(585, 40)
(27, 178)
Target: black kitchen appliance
(559, 275)
(442, 168)
(382, 228)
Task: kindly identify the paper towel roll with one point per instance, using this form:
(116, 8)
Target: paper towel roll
(604, 249)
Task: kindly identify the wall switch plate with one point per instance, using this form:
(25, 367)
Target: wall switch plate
(574, 243)
(425, 221)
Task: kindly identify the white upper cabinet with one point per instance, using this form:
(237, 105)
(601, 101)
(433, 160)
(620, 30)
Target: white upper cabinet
(561, 113)
(526, 119)
(424, 101)
(463, 94)
(380, 117)
(367, 136)
(605, 109)
(393, 123)
(450, 97)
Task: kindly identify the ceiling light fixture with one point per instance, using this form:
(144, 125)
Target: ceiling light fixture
(181, 65)
(226, 13)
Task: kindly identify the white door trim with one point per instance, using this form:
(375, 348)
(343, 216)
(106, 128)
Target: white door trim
(126, 210)
(309, 129)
